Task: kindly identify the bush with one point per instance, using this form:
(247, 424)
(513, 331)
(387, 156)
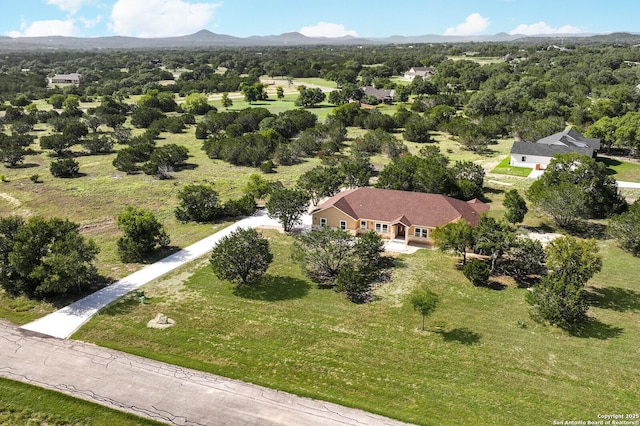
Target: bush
(198, 203)
(477, 272)
(243, 206)
(243, 255)
(65, 168)
(355, 284)
(142, 234)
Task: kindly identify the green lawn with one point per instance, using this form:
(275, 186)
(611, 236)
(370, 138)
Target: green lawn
(23, 404)
(505, 169)
(622, 170)
(482, 360)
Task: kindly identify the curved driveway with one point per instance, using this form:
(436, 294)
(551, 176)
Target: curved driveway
(148, 388)
(64, 322)
(157, 390)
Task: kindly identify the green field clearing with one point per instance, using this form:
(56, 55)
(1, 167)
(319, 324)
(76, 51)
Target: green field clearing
(482, 60)
(23, 404)
(482, 360)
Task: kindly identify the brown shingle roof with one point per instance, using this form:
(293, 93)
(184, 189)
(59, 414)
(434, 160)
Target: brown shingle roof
(416, 208)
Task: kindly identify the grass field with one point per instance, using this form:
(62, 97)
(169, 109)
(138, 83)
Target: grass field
(622, 170)
(482, 359)
(504, 168)
(23, 404)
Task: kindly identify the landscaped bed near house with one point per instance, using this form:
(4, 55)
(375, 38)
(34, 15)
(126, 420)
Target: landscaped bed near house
(504, 168)
(482, 360)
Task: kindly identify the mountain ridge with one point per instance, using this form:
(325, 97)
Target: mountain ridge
(205, 38)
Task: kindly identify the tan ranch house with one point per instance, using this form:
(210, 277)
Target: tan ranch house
(396, 215)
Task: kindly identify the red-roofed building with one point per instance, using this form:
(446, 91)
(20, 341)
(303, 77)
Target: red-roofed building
(409, 216)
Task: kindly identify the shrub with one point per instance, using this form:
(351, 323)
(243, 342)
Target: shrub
(477, 272)
(198, 203)
(243, 206)
(65, 168)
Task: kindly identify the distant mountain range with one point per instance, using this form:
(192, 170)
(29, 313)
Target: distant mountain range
(205, 38)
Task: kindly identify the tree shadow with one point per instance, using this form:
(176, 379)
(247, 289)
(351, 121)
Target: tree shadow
(24, 166)
(461, 335)
(526, 281)
(495, 285)
(595, 329)
(541, 229)
(615, 298)
(73, 295)
(160, 254)
(124, 305)
(273, 288)
(609, 163)
(586, 229)
(490, 190)
(187, 166)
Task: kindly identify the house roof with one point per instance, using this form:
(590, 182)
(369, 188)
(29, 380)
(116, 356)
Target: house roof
(558, 143)
(408, 208)
(381, 94)
(423, 71)
(72, 76)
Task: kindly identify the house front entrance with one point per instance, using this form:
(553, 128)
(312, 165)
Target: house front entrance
(400, 231)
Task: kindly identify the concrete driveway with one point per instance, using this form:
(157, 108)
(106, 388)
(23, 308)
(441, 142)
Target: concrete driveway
(64, 322)
(163, 392)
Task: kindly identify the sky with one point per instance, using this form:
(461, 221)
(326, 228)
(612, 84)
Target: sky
(315, 18)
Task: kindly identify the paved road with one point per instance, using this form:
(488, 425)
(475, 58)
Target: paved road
(64, 322)
(623, 184)
(160, 391)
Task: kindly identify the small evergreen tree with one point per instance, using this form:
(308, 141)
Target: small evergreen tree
(243, 255)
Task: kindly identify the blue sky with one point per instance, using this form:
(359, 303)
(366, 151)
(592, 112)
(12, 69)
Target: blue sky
(329, 18)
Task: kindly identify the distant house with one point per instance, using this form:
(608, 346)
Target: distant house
(73, 78)
(423, 72)
(383, 96)
(537, 155)
(403, 215)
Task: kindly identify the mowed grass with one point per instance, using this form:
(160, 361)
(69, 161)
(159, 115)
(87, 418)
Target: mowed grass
(622, 170)
(24, 404)
(504, 168)
(482, 359)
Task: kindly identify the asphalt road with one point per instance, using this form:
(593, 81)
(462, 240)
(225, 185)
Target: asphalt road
(157, 390)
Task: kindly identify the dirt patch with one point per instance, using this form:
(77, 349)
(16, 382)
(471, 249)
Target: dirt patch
(544, 237)
(12, 200)
(97, 227)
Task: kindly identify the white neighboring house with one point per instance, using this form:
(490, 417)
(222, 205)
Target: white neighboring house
(538, 155)
(73, 78)
(423, 72)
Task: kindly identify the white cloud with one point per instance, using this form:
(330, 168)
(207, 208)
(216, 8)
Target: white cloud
(543, 28)
(474, 24)
(46, 28)
(71, 6)
(160, 18)
(90, 23)
(327, 29)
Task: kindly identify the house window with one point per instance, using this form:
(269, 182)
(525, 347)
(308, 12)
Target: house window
(421, 233)
(343, 224)
(524, 159)
(382, 228)
(363, 224)
(323, 222)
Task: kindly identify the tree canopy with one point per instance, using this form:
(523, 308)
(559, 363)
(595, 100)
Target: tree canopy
(44, 257)
(244, 255)
(142, 234)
